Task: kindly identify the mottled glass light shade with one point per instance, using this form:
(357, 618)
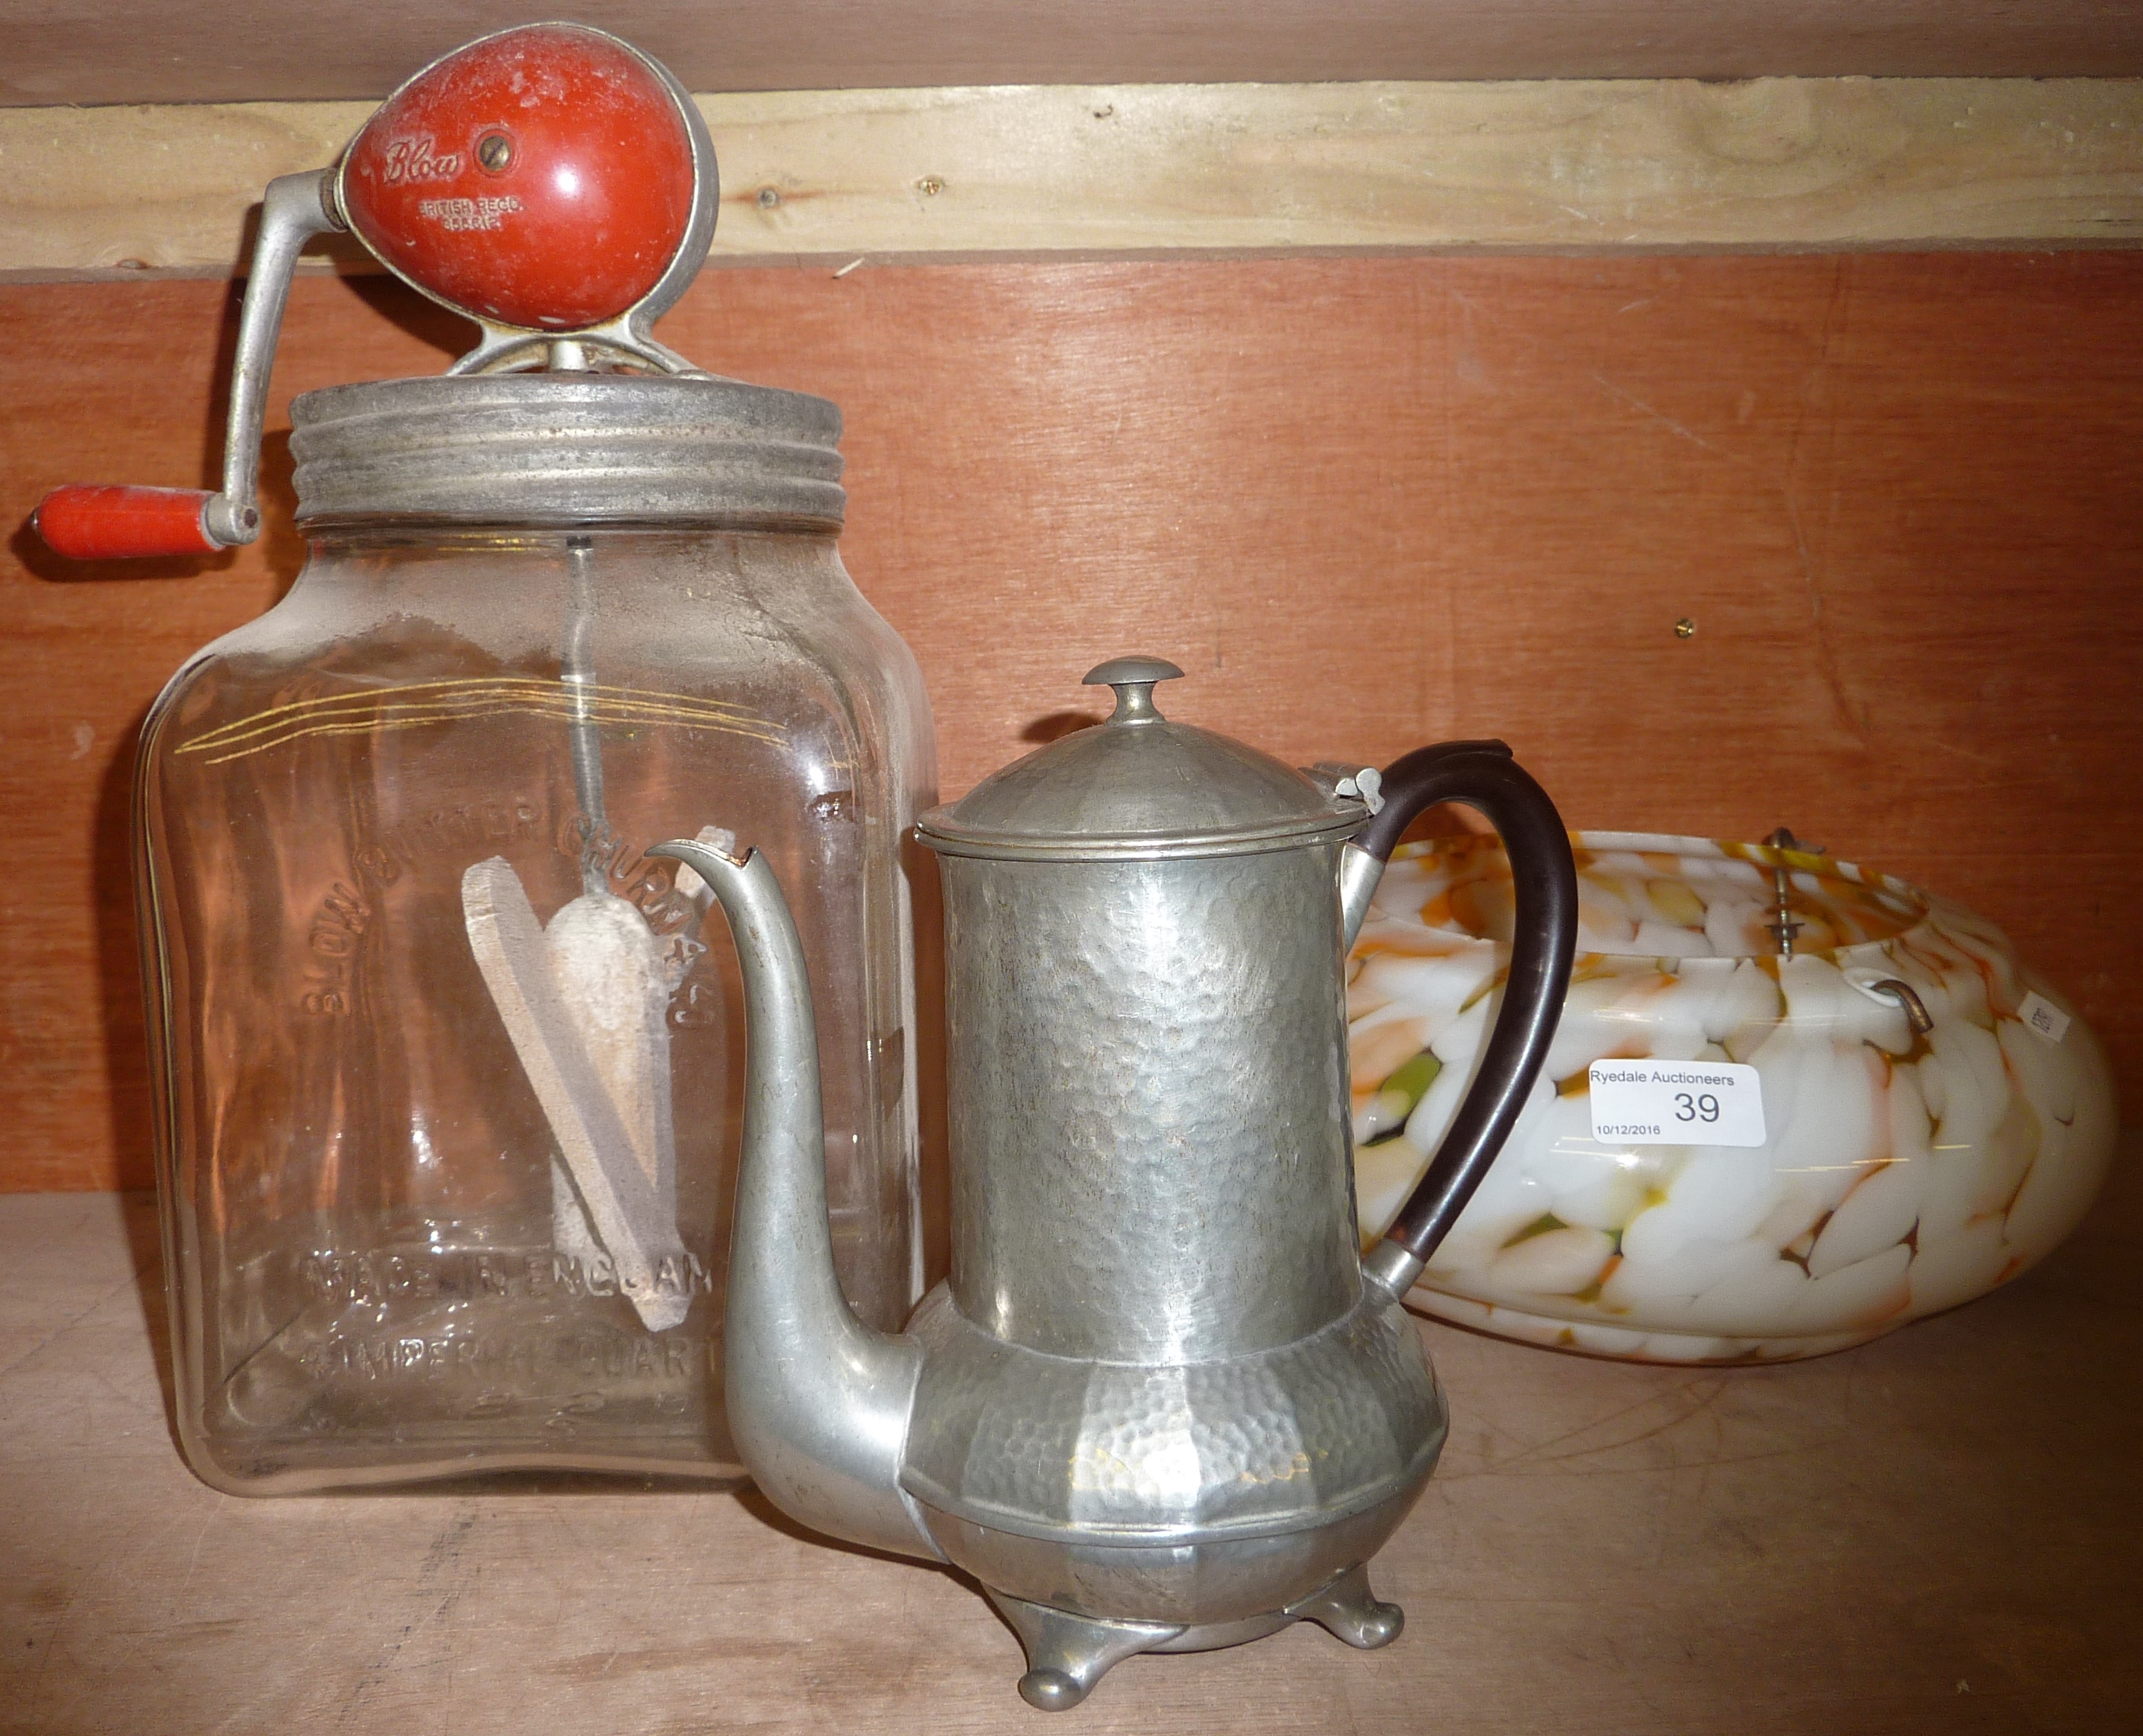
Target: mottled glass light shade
(1901, 1170)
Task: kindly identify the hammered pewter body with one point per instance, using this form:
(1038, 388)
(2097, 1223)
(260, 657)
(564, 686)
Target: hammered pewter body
(1130, 1181)
(1160, 1404)
(1194, 1494)
(1155, 1387)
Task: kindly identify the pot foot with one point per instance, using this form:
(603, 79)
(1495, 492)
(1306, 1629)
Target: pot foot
(1067, 1655)
(1347, 1608)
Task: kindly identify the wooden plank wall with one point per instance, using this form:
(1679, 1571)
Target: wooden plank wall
(936, 176)
(1365, 502)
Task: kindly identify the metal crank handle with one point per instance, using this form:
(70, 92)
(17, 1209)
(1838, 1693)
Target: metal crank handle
(97, 522)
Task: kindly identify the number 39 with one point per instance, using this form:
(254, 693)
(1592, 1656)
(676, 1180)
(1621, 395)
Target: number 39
(1702, 1108)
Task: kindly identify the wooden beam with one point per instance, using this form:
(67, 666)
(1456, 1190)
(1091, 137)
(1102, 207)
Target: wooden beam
(55, 51)
(1775, 163)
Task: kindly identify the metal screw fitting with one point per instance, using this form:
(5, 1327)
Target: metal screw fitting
(768, 199)
(494, 150)
(1686, 628)
(1783, 927)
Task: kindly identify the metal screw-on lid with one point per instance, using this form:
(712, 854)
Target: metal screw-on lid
(569, 448)
(1139, 788)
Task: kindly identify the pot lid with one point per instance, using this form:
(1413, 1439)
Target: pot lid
(1138, 788)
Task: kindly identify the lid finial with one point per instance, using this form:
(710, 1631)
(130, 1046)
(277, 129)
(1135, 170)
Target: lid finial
(1134, 678)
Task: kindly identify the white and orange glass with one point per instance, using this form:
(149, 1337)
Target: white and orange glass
(1902, 1171)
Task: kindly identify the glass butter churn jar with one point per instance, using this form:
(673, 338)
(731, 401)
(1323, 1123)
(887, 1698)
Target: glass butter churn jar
(451, 1072)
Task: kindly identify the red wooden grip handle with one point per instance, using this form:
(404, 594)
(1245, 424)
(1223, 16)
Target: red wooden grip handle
(100, 522)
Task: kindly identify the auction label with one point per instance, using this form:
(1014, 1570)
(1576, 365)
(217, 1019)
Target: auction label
(1676, 1103)
(2043, 1018)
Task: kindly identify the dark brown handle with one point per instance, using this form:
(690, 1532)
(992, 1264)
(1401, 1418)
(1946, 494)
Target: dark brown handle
(1483, 775)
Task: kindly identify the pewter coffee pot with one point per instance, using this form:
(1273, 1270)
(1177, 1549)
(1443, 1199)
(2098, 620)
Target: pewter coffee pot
(1162, 1404)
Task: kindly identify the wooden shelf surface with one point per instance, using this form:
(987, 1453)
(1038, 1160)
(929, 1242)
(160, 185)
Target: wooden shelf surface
(1938, 1531)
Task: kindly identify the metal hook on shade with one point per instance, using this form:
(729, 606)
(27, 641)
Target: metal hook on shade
(1916, 1009)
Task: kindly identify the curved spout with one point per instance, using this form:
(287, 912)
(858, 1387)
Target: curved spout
(818, 1403)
